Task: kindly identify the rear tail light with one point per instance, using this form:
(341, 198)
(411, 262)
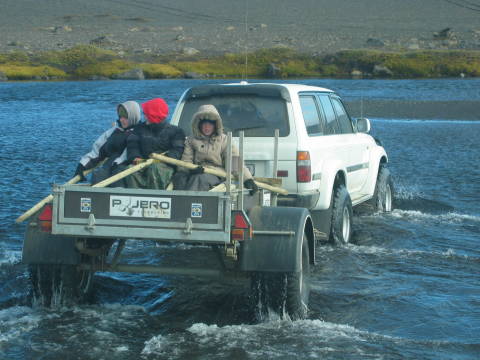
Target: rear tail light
(304, 167)
(241, 227)
(45, 218)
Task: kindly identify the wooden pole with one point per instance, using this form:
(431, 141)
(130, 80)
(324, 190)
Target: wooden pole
(49, 198)
(124, 173)
(216, 172)
(76, 179)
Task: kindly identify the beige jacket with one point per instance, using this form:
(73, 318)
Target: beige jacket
(209, 151)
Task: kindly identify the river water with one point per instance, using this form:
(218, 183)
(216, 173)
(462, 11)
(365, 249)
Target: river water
(408, 288)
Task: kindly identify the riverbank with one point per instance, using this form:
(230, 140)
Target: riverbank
(90, 62)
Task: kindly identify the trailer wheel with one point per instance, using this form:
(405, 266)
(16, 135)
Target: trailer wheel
(55, 285)
(283, 293)
(341, 230)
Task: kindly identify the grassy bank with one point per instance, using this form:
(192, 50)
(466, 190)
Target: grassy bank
(90, 62)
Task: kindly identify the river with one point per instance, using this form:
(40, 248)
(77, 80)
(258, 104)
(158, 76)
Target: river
(407, 289)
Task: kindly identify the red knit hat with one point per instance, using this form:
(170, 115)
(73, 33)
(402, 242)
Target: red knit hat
(155, 110)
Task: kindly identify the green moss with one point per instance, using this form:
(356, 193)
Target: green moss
(79, 56)
(27, 72)
(86, 61)
(160, 71)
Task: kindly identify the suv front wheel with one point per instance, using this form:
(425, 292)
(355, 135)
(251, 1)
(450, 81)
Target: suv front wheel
(341, 230)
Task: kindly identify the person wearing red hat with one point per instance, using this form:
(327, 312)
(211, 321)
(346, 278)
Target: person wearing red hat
(155, 135)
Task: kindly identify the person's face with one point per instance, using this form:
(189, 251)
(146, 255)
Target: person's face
(123, 122)
(207, 128)
(123, 117)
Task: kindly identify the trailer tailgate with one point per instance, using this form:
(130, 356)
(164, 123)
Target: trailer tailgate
(144, 214)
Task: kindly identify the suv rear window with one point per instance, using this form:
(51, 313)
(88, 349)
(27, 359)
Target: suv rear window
(258, 116)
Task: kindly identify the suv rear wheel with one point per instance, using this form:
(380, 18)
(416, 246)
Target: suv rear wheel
(382, 200)
(341, 229)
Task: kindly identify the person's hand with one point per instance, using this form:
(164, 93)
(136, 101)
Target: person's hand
(250, 184)
(137, 161)
(79, 171)
(198, 170)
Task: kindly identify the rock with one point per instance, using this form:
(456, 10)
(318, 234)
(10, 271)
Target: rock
(230, 28)
(192, 75)
(356, 73)
(413, 44)
(177, 28)
(382, 71)
(263, 26)
(273, 71)
(180, 37)
(3, 76)
(446, 33)
(375, 42)
(189, 51)
(102, 41)
(134, 74)
(98, 77)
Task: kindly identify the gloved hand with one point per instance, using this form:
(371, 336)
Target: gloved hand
(198, 170)
(250, 184)
(79, 171)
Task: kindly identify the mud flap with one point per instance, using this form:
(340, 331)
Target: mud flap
(281, 249)
(44, 248)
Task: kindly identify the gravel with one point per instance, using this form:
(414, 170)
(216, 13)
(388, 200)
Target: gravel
(212, 27)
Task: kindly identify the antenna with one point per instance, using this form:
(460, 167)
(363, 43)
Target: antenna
(246, 40)
(361, 106)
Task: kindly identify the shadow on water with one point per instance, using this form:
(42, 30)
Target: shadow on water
(424, 205)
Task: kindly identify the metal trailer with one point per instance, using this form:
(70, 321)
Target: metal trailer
(87, 228)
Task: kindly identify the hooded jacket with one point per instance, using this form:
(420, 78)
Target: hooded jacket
(150, 138)
(113, 142)
(209, 151)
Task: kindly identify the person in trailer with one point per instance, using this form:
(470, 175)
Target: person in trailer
(155, 135)
(111, 145)
(207, 147)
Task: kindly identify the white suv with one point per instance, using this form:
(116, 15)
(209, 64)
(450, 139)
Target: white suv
(327, 162)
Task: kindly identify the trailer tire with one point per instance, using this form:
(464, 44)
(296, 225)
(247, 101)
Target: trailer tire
(284, 293)
(60, 285)
(341, 229)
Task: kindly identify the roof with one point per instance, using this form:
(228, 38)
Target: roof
(259, 89)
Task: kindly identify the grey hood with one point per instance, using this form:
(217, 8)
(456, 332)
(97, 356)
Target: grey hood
(208, 112)
(133, 111)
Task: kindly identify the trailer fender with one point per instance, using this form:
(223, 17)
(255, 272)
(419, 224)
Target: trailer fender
(44, 248)
(277, 241)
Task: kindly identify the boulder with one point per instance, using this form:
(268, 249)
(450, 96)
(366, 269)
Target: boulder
(273, 71)
(134, 74)
(375, 42)
(382, 71)
(3, 76)
(102, 41)
(356, 74)
(190, 51)
(443, 34)
(192, 75)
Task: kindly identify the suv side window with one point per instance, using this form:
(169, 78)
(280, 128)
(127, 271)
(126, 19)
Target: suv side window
(331, 120)
(311, 115)
(343, 119)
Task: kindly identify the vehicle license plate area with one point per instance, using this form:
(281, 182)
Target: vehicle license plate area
(104, 206)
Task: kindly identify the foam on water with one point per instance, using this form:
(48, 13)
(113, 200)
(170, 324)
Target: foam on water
(9, 257)
(451, 217)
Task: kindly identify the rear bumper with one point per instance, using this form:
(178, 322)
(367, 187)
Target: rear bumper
(305, 200)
